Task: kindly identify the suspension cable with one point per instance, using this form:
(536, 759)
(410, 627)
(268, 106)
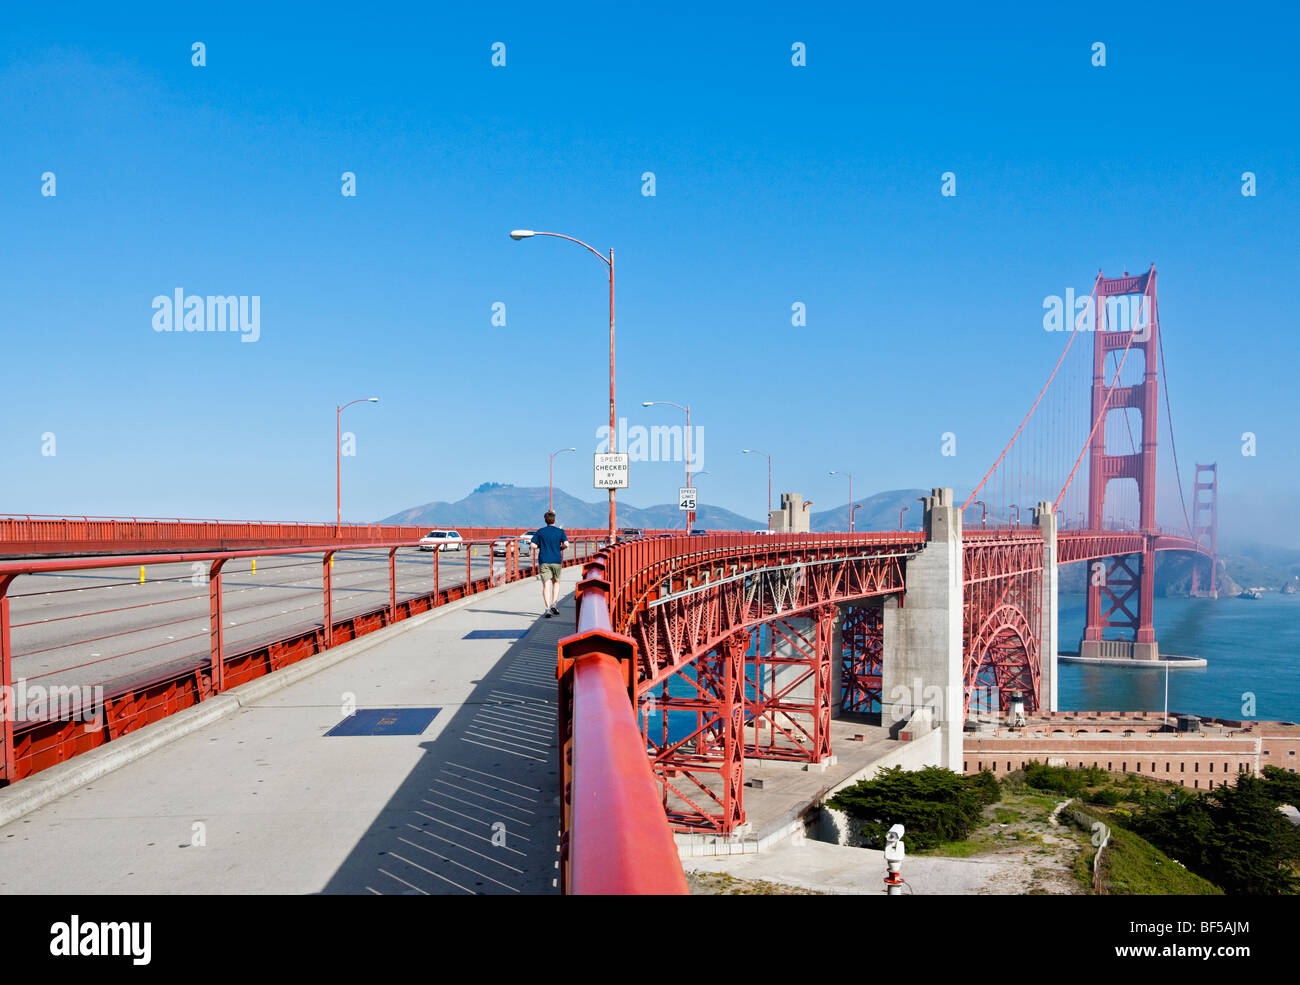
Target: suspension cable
(1173, 445)
(1092, 296)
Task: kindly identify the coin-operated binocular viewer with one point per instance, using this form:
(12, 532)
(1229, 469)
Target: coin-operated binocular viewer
(894, 854)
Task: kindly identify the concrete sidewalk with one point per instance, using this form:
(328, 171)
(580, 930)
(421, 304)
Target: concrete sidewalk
(262, 801)
(839, 869)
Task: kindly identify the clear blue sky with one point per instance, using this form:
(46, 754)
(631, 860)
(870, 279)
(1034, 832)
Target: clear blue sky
(775, 184)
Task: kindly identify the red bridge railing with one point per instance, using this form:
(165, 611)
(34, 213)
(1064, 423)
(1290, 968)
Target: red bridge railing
(615, 837)
(92, 681)
(33, 535)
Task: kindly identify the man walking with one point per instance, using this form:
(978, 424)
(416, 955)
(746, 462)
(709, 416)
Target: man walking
(551, 542)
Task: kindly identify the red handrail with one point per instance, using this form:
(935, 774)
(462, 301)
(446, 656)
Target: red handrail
(150, 693)
(615, 839)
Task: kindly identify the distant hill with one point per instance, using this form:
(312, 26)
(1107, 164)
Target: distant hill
(496, 505)
(877, 512)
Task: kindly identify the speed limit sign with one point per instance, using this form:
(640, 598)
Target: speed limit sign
(686, 497)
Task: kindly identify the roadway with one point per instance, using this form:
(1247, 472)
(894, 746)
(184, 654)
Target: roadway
(261, 800)
(93, 627)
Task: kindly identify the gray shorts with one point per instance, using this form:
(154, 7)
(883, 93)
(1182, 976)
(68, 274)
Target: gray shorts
(550, 572)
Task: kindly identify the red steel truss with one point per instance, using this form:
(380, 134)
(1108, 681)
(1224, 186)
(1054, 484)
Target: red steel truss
(678, 607)
(1002, 604)
(1117, 584)
(789, 711)
(861, 658)
(701, 775)
(738, 631)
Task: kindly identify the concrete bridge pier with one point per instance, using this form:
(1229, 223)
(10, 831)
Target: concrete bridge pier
(1048, 633)
(921, 681)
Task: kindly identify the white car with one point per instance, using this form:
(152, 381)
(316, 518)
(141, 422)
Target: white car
(441, 540)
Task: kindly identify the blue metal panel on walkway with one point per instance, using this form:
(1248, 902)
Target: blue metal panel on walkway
(386, 721)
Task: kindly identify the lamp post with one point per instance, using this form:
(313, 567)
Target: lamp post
(550, 479)
(985, 515)
(832, 472)
(856, 507)
(901, 511)
(690, 514)
(338, 456)
(1016, 521)
(699, 475)
(608, 261)
(755, 451)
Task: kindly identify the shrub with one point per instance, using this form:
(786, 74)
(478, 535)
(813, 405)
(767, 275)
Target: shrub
(1063, 779)
(985, 786)
(934, 805)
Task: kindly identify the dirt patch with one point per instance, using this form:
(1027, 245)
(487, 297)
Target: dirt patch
(1022, 830)
(721, 884)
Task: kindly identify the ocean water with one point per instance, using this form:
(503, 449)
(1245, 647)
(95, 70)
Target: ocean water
(1252, 645)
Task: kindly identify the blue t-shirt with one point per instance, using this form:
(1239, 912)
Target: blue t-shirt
(549, 539)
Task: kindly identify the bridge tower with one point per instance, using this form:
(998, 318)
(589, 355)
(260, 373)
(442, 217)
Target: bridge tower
(1205, 525)
(1127, 589)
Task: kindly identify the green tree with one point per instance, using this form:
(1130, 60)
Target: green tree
(1233, 836)
(1283, 787)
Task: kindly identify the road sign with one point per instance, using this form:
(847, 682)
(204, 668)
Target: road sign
(686, 498)
(610, 470)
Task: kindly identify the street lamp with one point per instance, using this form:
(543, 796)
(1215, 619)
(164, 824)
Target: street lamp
(1016, 521)
(609, 262)
(985, 515)
(690, 514)
(900, 516)
(856, 507)
(338, 449)
(755, 451)
(550, 479)
(850, 496)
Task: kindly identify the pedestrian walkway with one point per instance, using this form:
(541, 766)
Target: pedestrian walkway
(263, 800)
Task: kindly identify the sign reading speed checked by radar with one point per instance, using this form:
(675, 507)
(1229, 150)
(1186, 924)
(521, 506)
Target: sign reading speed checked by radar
(610, 471)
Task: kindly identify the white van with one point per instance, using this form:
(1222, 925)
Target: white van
(441, 540)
